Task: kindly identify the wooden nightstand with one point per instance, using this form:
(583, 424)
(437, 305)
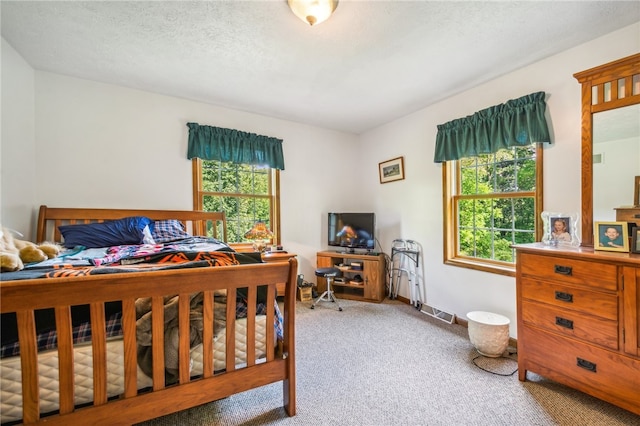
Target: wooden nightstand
(278, 257)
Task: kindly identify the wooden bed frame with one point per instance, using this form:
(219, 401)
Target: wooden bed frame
(24, 296)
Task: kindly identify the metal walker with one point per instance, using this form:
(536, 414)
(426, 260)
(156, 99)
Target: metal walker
(406, 258)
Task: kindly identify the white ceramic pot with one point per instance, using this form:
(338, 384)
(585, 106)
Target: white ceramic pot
(488, 332)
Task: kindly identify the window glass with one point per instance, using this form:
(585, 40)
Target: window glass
(245, 193)
(492, 206)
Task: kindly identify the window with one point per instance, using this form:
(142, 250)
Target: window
(244, 192)
(493, 201)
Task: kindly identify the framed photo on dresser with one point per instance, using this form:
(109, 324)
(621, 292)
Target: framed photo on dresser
(611, 236)
(560, 228)
(635, 240)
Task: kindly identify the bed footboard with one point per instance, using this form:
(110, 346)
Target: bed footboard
(134, 405)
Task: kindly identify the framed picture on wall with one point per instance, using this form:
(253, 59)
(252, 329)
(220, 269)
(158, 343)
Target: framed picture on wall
(391, 170)
(611, 236)
(560, 228)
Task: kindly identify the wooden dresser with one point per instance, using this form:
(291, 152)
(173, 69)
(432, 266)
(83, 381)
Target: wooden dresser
(578, 320)
(628, 214)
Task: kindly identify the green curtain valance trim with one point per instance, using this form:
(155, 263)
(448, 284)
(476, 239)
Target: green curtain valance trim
(216, 143)
(518, 122)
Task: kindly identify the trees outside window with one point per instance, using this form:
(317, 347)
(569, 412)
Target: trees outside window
(494, 201)
(244, 192)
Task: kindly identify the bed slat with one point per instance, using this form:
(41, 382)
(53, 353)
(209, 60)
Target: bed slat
(207, 334)
(184, 357)
(157, 341)
(230, 330)
(129, 342)
(29, 365)
(271, 295)
(65, 357)
(251, 325)
(99, 353)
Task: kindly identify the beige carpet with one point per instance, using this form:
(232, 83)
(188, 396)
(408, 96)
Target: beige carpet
(388, 364)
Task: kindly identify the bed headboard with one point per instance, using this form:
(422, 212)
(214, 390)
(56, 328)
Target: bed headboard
(196, 222)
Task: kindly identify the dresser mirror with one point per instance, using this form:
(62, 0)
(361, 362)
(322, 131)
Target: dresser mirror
(616, 160)
(610, 140)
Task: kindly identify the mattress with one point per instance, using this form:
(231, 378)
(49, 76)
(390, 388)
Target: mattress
(10, 373)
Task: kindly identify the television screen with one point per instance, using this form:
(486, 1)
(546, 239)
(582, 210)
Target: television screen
(352, 230)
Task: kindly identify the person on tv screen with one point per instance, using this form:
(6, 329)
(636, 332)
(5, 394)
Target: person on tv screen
(354, 236)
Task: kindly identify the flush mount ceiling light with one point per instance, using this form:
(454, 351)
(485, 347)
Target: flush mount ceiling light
(313, 11)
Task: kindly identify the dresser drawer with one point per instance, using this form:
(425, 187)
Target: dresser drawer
(590, 302)
(581, 326)
(584, 367)
(570, 271)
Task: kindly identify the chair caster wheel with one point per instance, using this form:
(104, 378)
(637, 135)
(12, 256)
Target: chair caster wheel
(340, 309)
(312, 306)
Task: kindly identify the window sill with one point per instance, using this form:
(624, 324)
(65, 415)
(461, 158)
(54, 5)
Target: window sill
(485, 266)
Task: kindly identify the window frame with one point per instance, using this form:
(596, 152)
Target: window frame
(274, 196)
(451, 188)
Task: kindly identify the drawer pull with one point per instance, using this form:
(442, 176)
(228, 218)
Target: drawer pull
(563, 270)
(564, 297)
(563, 322)
(587, 365)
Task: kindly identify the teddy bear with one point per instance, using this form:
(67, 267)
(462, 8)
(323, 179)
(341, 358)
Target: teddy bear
(14, 253)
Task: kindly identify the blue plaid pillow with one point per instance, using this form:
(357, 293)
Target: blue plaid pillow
(168, 230)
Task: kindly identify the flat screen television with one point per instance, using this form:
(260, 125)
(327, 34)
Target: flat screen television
(352, 230)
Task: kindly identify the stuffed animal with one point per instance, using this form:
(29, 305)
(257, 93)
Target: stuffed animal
(14, 253)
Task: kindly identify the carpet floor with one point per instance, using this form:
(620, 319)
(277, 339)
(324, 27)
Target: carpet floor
(389, 364)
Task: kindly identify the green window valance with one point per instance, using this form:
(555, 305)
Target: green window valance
(517, 122)
(216, 143)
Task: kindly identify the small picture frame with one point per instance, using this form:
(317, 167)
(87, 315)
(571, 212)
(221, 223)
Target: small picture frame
(391, 170)
(611, 236)
(560, 229)
(635, 240)
(636, 191)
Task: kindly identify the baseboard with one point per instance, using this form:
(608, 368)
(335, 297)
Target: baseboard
(463, 322)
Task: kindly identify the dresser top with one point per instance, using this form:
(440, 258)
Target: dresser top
(584, 253)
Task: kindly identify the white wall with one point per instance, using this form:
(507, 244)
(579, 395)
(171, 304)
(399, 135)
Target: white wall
(101, 145)
(17, 165)
(105, 146)
(412, 208)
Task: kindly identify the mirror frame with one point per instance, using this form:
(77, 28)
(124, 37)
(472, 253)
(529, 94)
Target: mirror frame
(596, 83)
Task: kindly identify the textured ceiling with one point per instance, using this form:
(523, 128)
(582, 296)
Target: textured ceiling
(370, 63)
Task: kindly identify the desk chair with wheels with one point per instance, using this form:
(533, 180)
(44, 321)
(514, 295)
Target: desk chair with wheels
(328, 296)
